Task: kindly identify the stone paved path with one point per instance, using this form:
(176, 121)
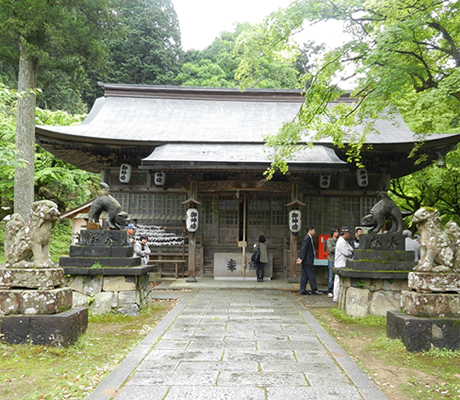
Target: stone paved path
(238, 344)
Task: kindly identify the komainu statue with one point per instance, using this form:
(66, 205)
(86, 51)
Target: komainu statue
(439, 251)
(27, 243)
(117, 219)
(385, 208)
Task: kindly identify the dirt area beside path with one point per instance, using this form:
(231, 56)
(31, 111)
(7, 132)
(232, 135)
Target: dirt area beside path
(400, 375)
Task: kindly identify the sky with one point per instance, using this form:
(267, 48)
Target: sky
(201, 21)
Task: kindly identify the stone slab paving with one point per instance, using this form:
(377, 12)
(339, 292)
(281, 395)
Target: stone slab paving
(238, 344)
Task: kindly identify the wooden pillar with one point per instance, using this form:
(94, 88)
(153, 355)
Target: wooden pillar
(295, 204)
(293, 258)
(191, 258)
(192, 202)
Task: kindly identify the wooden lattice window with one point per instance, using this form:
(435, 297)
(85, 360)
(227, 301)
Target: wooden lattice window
(228, 210)
(259, 211)
(279, 210)
(208, 209)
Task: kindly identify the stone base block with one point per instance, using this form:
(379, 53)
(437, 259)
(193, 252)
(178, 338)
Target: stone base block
(420, 334)
(101, 251)
(384, 255)
(90, 237)
(381, 266)
(392, 241)
(431, 304)
(46, 278)
(35, 302)
(88, 262)
(434, 282)
(60, 330)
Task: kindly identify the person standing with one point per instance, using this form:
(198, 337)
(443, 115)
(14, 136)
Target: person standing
(306, 258)
(330, 244)
(358, 233)
(263, 259)
(130, 229)
(343, 250)
(412, 244)
(141, 249)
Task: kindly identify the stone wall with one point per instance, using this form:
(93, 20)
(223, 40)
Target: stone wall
(106, 293)
(361, 297)
(372, 282)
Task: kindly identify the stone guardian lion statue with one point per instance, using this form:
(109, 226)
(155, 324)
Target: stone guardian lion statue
(117, 219)
(27, 243)
(439, 251)
(385, 208)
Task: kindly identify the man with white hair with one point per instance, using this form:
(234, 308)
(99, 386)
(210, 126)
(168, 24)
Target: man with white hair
(343, 250)
(412, 244)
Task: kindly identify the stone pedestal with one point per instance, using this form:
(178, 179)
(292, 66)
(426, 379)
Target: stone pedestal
(372, 283)
(35, 307)
(430, 312)
(103, 290)
(104, 275)
(102, 249)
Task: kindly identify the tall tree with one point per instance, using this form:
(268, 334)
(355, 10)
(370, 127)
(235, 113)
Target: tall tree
(400, 54)
(66, 30)
(151, 52)
(216, 65)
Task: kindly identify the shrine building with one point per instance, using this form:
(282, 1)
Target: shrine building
(164, 149)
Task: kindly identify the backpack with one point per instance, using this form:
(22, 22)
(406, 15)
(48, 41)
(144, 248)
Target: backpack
(255, 258)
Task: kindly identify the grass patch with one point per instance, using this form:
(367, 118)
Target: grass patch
(39, 372)
(401, 375)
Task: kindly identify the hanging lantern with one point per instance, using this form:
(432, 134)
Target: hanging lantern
(361, 177)
(295, 221)
(159, 178)
(125, 173)
(192, 219)
(324, 181)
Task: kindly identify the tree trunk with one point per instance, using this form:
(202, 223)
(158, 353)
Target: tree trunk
(25, 134)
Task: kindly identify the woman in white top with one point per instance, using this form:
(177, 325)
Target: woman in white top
(141, 249)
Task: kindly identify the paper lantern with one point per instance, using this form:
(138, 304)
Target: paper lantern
(125, 173)
(295, 221)
(192, 219)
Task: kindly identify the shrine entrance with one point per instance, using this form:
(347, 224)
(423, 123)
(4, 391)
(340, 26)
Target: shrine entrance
(232, 223)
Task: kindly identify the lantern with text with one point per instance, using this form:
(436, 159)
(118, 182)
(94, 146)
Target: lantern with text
(192, 219)
(125, 173)
(361, 177)
(324, 181)
(159, 178)
(295, 221)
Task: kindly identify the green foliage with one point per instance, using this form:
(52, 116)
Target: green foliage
(61, 237)
(216, 65)
(68, 41)
(434, 186)
(151, 52)
(400, 55)
(54, 180)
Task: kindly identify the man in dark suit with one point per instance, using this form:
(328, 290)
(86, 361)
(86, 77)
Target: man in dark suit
(306, 258)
